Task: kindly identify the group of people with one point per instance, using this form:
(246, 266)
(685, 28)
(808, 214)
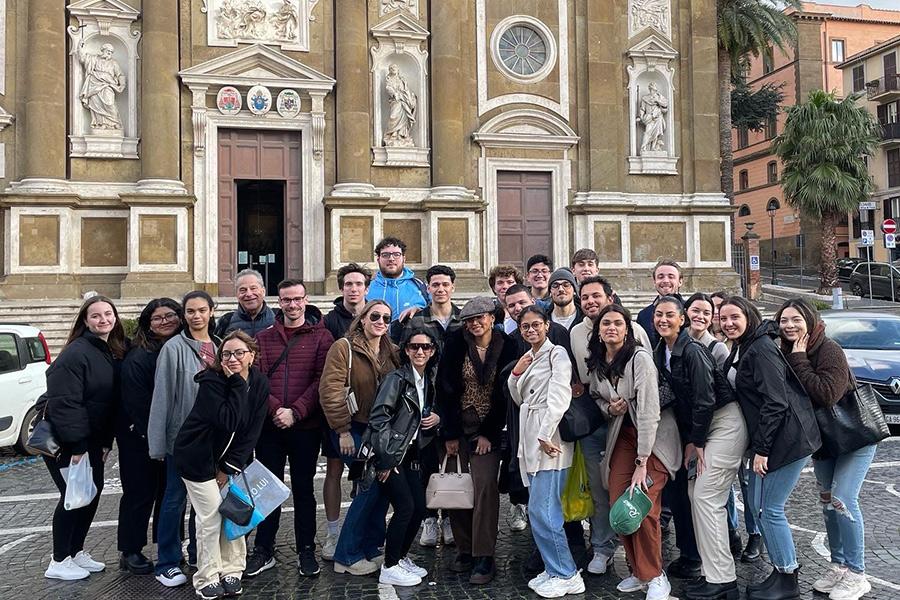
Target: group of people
(397, 382)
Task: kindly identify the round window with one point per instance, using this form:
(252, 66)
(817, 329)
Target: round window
(523, 48)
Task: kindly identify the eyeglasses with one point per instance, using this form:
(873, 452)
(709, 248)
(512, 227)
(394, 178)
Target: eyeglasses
(288, 301)
(526, 326)
(558, 284)
(164, 318)
(544, 272)
(375, 316)
(238, 354)
(423, 347)
(387, 255)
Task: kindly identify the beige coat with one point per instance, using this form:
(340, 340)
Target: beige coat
(657, 433)
(543, 393)
(580, 335)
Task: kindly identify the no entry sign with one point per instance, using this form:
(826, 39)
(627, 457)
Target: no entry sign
(889, 226)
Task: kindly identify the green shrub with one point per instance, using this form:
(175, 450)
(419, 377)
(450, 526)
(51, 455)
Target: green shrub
(821, 305)
(131, 327)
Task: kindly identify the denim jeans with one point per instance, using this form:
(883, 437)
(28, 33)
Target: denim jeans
(364, 527)
(546, 517)
(603, 539)
(733, 519)
(171, 522)
(840, 480)
(768, 496)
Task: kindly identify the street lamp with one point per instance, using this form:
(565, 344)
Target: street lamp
(771, 208)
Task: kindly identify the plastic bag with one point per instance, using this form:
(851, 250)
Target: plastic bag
(80, 488)
(234, 531)
(268, 491)
(577, 503)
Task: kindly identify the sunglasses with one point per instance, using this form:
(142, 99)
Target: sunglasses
(375, 316)
(423, 347)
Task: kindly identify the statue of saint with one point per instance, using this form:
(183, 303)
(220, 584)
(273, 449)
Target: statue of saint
(285, 21)
(402, 103)
(103, 79)
(653, 117)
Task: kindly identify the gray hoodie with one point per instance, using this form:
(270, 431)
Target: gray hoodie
(174, 392)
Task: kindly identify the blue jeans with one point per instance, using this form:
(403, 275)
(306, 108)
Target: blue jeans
(840, 480)
(603, 539)
(749, 520)
(769, 495)
(171, 522)
(546, 517)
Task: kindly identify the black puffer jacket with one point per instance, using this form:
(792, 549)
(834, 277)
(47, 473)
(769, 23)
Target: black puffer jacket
(396, 417)
(700, 391)
(779, 415)
(137, 379)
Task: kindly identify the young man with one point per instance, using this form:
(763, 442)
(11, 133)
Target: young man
(353, 281)
(395, 283)
(584, 264)
(563, 288)
(667, 280)
(537, 274)
(252, 314)
(501, 278)
(292, 355)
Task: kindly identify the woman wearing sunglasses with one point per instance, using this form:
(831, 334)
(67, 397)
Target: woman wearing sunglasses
(357, 363)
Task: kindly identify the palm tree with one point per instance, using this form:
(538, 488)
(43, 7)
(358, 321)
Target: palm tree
(824, 147)
(745, 27)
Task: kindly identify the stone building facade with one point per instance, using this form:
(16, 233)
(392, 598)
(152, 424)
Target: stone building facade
(154, 146)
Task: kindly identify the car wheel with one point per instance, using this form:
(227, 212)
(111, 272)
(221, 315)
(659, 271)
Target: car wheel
(27, 427)
(857, 290)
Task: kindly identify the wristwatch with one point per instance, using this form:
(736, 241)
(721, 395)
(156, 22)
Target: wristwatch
(640, 462)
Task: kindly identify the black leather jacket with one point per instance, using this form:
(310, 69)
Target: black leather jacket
(395, 417)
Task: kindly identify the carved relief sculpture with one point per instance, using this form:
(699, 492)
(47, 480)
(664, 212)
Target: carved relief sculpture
(402, 103)
(103, 79)
(285, 21)
(653, 111)
(644, 14)
(389, 6)
(281, 22)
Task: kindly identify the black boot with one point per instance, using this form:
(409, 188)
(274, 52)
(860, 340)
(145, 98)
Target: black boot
(784, 586)
(683, 568)
(753, 549)
(483, 571)
(764, 584)
(712, 591)
(135, 563)
(462, 563)
(735, 543)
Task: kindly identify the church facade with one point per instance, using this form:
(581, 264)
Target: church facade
(150, 147)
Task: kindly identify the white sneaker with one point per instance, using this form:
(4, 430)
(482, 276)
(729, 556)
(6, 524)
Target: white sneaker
(447, 532)
(598, 564)
(360, 567)
(851, 587)
(556, 587)
(84, 560)
(830, 579)
(540, 579)
(407, 563)
(397, 575)
(659, 587)
(429, 533)
(172, 577)
(66, 569)
(330, 545)
(631, 584)
(518, 517)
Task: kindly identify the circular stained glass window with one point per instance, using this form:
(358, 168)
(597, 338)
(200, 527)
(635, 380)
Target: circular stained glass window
(522, 50)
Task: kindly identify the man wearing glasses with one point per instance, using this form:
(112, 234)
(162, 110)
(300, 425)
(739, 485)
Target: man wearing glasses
(537, 274)
(292, 355)
(395, 283)
(252, 314)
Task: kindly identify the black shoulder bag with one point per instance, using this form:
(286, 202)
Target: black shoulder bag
(853, 422)
(43, 439)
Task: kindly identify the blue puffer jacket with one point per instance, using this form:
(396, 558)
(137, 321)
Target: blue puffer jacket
(401, 293)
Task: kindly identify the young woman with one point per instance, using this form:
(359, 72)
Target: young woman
(822, 368)
(783, 435)
(373, 357)
(401, 424)
(216, 441)
(80, 404)
(174, 391)
(643, 448)
(715, 328)
(700, 310)
(540, 384)
(143, 479)
(471, 393)
(711, 423)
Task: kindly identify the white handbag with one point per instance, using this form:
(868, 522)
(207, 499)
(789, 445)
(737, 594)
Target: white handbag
(450, 491)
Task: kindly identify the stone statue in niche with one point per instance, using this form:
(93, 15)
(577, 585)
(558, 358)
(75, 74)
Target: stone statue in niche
(103, 79)
(285, 21)
(653, 109)
(402, 104)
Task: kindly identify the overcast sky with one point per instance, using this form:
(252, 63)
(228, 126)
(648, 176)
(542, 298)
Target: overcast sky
(892, 4)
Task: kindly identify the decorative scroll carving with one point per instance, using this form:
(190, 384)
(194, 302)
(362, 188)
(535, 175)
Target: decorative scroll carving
(647, 14)
(318, 124)
(198, 118)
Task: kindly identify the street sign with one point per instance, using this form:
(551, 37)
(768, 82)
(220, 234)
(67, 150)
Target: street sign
(867, 205)
(754, 262)
(890, 240)
(889, 226)
(867, 238)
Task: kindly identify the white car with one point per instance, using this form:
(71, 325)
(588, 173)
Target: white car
(24, 358)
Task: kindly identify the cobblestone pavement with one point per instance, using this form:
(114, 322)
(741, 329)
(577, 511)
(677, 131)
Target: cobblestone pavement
(27, 498)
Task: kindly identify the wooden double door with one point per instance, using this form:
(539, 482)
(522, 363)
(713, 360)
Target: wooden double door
(524, 216)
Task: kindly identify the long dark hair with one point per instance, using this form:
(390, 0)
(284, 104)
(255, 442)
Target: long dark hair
(212, 305)
(117, 343)
(806, 310)
(597, 348)
(145, 338)
(418, 326)
(754, 319)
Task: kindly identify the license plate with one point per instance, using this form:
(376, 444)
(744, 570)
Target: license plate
(892, 419)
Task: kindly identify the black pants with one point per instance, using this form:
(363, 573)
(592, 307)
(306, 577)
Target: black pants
(70, 527)
(143, 485)
(301, 448)
(676, 494)
(406, 494)
(430, 463)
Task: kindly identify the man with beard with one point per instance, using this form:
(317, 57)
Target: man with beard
(563, 288)
(667, 280)
(395, 283)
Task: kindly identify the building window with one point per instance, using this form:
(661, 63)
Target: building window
(744, 210)
(859, 78)
(523, 49)
(743, 180)
(768, 60)
(743, 137)
(772, 172)
(893, 167)
(771, 127)
(837, 51)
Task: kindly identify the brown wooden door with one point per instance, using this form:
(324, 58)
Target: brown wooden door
(247, 154)
(524, 216)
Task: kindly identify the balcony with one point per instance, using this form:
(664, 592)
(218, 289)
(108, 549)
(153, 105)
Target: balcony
(884, 89)
(890, 133)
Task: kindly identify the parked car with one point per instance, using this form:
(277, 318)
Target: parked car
(845, 267)
(871, 341)
(24, 358)
(882, 280)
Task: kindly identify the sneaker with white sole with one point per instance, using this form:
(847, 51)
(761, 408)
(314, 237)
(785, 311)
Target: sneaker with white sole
(212, 591)
(330, 545)
(557, 587)
(541, 578)
(66, 569)
(631, 584)
(659, 587)
(429, 533)
(397, 575)
(360, 567)
(407, 563)
(830, 579)
(598, 564)
(447, 532)
(852, 586)
(86, 562)
(172, 577)
(518, 517)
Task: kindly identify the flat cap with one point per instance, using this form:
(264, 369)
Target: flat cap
(480, 305)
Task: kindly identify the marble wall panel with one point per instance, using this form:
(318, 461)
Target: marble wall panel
(158, 239)
(38, 240)
(712, 241)
(408, 230)
(453, 240)
(653, 240)
(104, 242)
(608, 241)
(356, 239)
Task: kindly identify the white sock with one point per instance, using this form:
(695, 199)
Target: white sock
(334, 527)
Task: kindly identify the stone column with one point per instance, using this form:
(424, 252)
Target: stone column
(447, 98)
(352, 110)
(160, 131)
(45, 91)
(752, 279)
(607, 118)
